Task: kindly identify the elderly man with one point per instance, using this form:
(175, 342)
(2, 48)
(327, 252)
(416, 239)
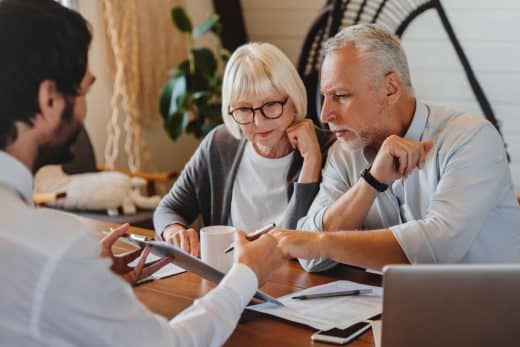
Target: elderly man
(407, 182)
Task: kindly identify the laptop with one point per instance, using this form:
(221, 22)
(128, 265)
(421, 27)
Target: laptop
(451, 305)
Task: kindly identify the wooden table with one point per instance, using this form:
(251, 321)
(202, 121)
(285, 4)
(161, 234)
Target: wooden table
(170, 296)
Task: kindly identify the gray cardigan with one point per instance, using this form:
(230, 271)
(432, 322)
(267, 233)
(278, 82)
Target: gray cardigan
(205, 185)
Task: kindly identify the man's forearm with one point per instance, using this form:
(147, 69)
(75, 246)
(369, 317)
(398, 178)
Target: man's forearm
(350, 210)
(368, 249)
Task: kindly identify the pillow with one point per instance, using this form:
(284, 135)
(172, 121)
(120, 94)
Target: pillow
(94, 191)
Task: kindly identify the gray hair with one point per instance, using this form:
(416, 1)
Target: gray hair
(382, 48)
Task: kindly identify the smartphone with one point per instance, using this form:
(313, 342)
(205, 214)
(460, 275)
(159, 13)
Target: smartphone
(341, 336)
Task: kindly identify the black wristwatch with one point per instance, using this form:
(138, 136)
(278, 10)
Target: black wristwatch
(380, 187)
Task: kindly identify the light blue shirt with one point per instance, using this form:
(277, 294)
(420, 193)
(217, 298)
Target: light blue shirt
(460, 208)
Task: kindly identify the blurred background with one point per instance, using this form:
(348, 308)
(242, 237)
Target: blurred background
(124, 32)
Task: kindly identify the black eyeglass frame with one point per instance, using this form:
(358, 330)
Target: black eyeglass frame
(260, 108)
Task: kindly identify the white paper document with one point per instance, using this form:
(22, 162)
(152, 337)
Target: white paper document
(376, 330)
(327, 313)
(166, 271)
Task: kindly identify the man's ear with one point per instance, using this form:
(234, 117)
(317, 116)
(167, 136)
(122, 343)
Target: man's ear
(50, 101)
(393, 87)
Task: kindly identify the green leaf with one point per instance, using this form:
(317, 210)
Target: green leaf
(225, 54)
(181, 20)
(206, 26)
(201, 97)
(185, 102)
(210, 114)
(204, 62)
(217, 29)
(165, 99)
(184, 67)
(214, 82)
(171, 93)
(176, 125)
(194, 127)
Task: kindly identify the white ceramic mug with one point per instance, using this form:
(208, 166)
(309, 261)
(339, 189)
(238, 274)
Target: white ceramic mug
(213, 242)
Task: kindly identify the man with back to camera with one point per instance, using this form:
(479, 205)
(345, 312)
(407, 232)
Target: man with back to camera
(59, 290)
(427, 184)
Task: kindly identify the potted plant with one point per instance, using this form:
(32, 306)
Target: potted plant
(190, 99)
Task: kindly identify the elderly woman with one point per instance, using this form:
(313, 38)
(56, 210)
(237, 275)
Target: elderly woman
(262, 165)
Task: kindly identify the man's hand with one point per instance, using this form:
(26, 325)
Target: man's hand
(298, 244)
(261, 255)
(398, 157)
(302, 137)
(120, 262)
(179, 236)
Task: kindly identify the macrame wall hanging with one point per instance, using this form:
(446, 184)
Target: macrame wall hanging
(144, 47)
(122, 31)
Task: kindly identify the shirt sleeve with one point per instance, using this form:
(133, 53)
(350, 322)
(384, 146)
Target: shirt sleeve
(83, 301)
(211, 319)
(299, 204)
(304, 193)
(334, 184)
(473, 173)
(181, 204)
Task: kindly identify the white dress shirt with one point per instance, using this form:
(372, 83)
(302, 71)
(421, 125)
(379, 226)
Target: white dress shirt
(260, 190)
(460, 208)
(57, 291)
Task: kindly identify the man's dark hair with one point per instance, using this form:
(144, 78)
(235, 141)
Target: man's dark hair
(39, 40)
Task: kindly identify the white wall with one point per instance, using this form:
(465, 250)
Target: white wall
(488, 30)
(280, 22)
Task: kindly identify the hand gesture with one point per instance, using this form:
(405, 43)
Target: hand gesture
(120, 262)
(261, 255)
(398, 157)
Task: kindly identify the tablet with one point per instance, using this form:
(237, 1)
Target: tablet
(191, 263)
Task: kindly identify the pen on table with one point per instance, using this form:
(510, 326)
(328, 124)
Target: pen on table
(333, 294)
(254, 235)
(144, 280)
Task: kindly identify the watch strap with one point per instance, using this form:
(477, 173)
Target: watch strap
(372, 181)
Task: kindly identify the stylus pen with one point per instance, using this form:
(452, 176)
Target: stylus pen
(333, 294)
(254, 235)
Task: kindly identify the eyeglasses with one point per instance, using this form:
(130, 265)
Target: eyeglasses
(270, 110)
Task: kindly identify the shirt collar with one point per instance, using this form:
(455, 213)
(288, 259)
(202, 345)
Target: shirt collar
(414, 132)
(418, 124)
(16, 176)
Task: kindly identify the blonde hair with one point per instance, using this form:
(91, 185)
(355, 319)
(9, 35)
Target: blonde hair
(257, 69)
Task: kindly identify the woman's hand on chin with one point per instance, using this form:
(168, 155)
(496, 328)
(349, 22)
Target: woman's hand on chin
(302, 137)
